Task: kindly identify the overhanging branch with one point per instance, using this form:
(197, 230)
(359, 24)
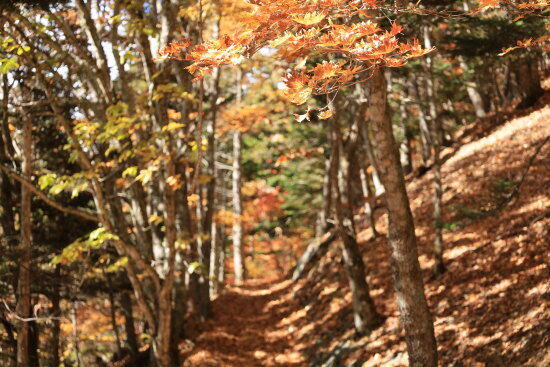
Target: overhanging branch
(42, 196)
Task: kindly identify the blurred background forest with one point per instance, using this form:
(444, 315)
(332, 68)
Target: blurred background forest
(222, 183)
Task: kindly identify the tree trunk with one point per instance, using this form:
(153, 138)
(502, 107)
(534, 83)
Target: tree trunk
(208, 227)
(473, 94)
(76, 345)
(164, 353)
(127, 311)
(165, 338)
(324, 214)
(368, 197)
(378, 187)
(528, 80)
(406, 146)
(56, 322)
(112, 314)
(414, 312)
(217, 269)
(24, 281)
(214, 260)
(34, 344)
(365, 316)
(436, 135)
(237, 209)
(425, 138)
(237, 197)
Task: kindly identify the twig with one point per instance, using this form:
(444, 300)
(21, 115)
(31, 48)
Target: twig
(14, 315)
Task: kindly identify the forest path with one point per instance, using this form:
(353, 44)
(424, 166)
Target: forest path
(248, 328)
(490, 308)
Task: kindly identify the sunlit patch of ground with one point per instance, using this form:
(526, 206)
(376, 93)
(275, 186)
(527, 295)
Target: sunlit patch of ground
(490, 308)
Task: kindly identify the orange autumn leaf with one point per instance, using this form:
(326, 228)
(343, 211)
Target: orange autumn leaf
(326, 114)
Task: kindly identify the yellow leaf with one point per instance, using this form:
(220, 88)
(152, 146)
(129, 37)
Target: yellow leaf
(326, 114)
(172, 126)
(155, 219)
(309, 18)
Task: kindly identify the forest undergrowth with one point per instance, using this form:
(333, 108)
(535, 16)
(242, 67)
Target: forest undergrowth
(489, 307)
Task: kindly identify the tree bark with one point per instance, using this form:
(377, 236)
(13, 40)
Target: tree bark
(414, 312)
(369, 149)
(127, 311)
(365, 316)
(56, 322)
(436, 135)
(406, 146)
(473, 94)
(237, 209)
(24, 281)
(528, 81)
(425, 137)
(368, 197)
(322, 219)
(112, 314)
(74, 335)
(238, 262)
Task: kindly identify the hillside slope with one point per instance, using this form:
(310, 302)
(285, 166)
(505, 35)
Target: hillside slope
(490, 307)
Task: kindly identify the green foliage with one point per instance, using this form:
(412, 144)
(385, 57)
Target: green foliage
(77, 250)
(8, 64)
(74, 184)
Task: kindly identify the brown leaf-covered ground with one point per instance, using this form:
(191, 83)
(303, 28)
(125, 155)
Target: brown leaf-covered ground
(490, 308)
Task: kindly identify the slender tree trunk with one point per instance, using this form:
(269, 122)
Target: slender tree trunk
(217, 269)
(324, 214)
(406, 146)
(165, 336)
(237, 197)
(473, 94)
(368, 196)
(56, 322)
(127, 311)
(528, 80)
(34, 343)
(436, 135)
(414, 312)
(164, 353)
(221, 262)
(425, 137)
(369, 149)
(365, 316)
(208, 226)
(238, 210)
(24, 281)
(439, 266)
(76, 345)
(214, 258)
(112, 314)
